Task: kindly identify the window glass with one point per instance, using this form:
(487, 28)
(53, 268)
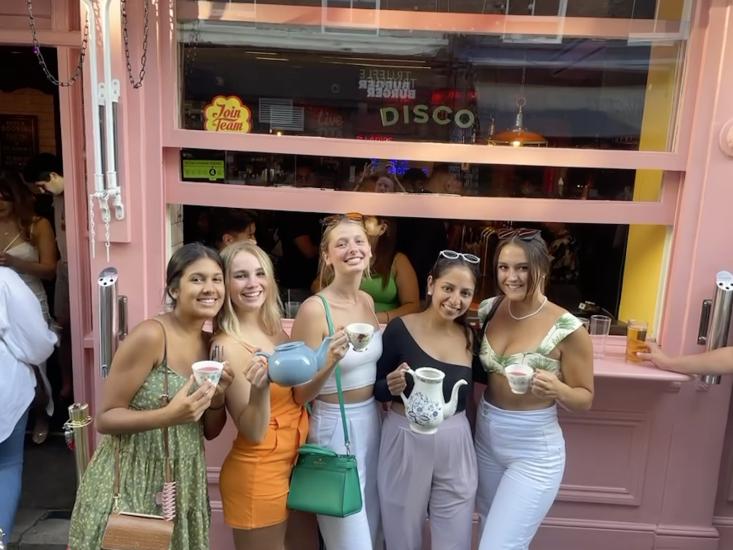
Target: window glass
(401, 176)
(587, 265)
(344, 73)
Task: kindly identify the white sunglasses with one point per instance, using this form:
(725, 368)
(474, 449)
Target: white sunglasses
(453, 255)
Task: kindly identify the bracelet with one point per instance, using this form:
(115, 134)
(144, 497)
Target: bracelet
(218, 408)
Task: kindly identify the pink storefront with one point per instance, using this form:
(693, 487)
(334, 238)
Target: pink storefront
(625, 141)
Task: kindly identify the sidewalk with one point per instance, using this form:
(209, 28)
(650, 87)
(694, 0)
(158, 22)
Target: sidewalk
(49, 487)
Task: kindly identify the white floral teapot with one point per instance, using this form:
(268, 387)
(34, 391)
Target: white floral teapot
(426, 408)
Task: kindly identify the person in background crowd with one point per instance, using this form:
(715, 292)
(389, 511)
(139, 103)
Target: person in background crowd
(46, 172)
(433, 475)
(25, 340)
(155, 359)
(255, 476)
(414, 180)
(299, 234)
(345, 256)
(392, 283)
(422, 239)
(380, 183)
(519, 443)
(28, 247)
(232, 225)
(717, 361)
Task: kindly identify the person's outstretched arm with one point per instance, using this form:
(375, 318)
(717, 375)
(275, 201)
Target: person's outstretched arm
(717, 361)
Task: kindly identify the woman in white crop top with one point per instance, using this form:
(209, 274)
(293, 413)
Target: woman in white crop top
(344, 258)
(520, 448)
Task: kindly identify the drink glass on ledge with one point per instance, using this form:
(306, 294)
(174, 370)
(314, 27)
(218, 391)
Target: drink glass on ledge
(635, 339)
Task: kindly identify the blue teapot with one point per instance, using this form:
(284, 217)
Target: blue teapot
(294, 363)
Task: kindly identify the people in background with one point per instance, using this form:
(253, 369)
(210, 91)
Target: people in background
(155, 360)
(255, 476)
(414, 180)
(717, 361)
(46, 172)
(519, 444)
(344, 257)
(421, 475)
(25, 340)
(27, 246)
(232, 225)
(391, 282)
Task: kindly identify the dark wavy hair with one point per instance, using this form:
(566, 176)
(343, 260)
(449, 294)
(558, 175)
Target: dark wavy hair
(12, 189)
(440, 267)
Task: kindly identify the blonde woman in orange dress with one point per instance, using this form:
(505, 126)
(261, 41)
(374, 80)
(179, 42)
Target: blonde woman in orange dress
(255, 477)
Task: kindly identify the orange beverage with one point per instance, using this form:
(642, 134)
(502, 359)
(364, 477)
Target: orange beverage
(635, 340)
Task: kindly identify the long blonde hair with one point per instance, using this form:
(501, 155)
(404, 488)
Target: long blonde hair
(270, 312)
(325, 271)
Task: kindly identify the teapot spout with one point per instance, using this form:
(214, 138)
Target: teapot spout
(449, 409)
(322, 352)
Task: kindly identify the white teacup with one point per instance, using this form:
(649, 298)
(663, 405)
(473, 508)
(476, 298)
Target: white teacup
(359, 335)
(207, 370)
(519, 377)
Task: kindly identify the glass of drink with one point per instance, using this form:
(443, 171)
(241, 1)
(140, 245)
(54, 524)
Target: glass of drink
(600, 325)
(635, 339)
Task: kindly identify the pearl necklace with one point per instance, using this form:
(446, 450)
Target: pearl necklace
(521, 317)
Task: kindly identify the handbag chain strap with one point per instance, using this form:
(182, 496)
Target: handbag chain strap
(164, 399)
(337, 373)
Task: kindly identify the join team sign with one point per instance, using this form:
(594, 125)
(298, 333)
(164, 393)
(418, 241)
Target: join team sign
(227, 114)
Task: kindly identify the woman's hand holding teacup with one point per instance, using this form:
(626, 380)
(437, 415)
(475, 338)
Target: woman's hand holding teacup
(185, 407)
(546, 385)
(256, 371)
(338, 347)
(396, 381)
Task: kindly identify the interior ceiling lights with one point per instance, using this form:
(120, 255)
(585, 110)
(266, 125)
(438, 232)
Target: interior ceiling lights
(518, 136)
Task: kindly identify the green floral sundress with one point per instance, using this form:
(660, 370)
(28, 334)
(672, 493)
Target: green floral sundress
(141, 475)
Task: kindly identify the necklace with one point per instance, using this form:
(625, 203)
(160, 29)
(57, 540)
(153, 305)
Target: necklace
(535, 312)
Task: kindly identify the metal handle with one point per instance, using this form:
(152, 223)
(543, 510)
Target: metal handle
(122, 317)
(702, 330)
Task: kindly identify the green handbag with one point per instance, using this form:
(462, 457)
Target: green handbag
(323, 481)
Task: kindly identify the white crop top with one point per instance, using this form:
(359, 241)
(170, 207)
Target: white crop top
(358, 368)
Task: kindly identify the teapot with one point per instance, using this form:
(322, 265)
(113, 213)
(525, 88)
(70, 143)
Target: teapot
(426, 408)
(294, 363)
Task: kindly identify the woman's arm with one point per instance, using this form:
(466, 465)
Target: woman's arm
(408, 292)
(576, 392)
(389, 360)
(45, 243)
(717, 361)
(310, 327)
(247, 403)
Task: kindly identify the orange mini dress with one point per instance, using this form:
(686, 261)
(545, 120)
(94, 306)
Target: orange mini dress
(255, 477)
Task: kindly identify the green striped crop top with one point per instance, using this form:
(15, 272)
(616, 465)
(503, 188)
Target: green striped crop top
(540, 358)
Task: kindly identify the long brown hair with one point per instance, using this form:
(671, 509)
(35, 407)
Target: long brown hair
(384, 251)
(13, 190)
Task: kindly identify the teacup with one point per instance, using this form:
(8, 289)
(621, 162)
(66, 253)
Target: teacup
(519, 378)
(207, 370)
(359, 335)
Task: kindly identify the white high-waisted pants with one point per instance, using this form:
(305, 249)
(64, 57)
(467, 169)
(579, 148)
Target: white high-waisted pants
(358, 531)
(421, 475)
(521, 459)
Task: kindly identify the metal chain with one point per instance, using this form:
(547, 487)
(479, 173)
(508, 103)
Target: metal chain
(191, 51)
(42, 61)
(92, 233)
(126, 40)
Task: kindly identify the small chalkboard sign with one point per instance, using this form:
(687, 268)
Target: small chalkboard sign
(18, 140)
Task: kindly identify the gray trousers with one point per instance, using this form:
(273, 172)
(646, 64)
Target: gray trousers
(422, 476)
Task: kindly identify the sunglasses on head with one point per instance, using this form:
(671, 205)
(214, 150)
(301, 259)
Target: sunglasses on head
(336, 218)
(453, 255)
(521, 233)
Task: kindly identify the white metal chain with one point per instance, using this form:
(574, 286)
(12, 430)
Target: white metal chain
(103, 200)
(92, 234)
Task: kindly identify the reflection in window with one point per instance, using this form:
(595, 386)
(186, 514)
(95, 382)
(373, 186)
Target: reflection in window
(399, 176)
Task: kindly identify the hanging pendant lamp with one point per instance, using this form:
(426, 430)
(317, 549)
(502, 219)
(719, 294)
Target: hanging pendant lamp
(518, 136)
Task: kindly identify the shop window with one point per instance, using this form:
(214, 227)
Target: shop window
(372, 78)
(587, 267)
(400, 176)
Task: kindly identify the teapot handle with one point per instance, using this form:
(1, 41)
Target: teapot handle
(411, 372)
(266, 356)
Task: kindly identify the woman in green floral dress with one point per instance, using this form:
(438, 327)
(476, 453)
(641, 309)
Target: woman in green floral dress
(133, 412)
